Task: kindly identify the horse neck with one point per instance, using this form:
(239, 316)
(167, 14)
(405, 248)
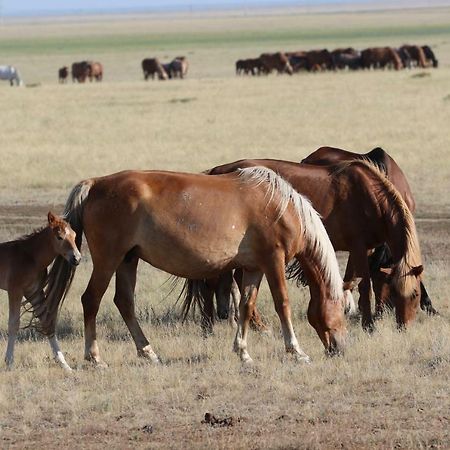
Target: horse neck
(319, 285)
(40, 246)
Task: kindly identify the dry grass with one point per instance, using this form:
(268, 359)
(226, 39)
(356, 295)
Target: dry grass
(389, 390)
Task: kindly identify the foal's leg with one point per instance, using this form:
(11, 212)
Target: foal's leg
(277, 283)
(13, 324)
(124, 300)
(91, 299)
(250, 286)
(37, 299)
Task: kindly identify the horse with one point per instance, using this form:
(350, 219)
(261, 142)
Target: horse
(429, 55)
(382, 257)
(361, 209)
(95, 71)
(178, 67)
(63, 74)
(152, 67)
(417, 55)
(80, 71)
(278, 61)
(167, 220)
(23, 273)
(11, 74)
(380, 57)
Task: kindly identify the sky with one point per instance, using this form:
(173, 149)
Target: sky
(41, 7)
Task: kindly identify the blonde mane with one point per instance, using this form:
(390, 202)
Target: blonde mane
(318, 244)
(402, 278)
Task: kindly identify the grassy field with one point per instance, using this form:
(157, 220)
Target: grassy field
(389, 390)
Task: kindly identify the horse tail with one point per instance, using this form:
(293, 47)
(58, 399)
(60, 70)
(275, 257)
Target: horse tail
(193, 295)
(61, 273)
(317, 243)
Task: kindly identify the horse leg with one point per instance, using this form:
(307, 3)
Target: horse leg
(124, 300)
(361, 268)
(13, 325)
(58, 354)
(90, 300)
(277, 284)
(249, 289)
(350, 283)
(233, 315)
(425, 302)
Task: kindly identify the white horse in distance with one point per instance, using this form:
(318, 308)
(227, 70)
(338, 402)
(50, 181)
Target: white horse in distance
(12, 74)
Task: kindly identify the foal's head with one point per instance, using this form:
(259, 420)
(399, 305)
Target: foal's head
(63, 239)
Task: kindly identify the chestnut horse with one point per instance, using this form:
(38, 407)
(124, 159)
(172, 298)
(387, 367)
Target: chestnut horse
(361, 209)
(171, 220)
(382, 257)
(23, 273)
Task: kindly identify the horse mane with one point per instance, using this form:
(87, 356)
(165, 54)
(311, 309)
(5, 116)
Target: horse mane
(28, 236)
(317, 242)
(387, 192)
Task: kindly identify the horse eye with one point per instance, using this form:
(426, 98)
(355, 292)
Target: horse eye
(59, 237)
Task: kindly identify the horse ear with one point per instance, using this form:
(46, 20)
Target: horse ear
(417, 270)
(51, 218)
(386, 270)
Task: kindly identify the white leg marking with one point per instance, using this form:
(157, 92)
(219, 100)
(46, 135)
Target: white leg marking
(58, 354)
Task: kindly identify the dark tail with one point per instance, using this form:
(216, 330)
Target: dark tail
(195, 294)
(61, 273)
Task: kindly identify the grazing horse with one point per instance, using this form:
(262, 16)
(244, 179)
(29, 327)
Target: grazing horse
(416, 54)
(361, 209)
(429, 55)
(11, 74)
(178, 67)
(152, 67)
(380, 57)
(23, 273)
(171, 221)
(382, 257)
(276, 61)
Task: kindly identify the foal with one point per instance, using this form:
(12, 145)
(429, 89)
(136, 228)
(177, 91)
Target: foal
(23, 273)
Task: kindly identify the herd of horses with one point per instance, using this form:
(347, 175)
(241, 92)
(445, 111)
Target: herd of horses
(177, 68)
(222, 231)
(81, 71)
(407, 56)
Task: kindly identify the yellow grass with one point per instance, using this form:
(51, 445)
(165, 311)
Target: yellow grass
(389, 389)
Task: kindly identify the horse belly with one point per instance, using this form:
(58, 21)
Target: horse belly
(191, 250)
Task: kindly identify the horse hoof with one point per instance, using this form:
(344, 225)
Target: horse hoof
(149, 354)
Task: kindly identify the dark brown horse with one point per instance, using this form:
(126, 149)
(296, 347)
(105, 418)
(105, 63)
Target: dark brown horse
(381, 258)
(171, 220)
(23, 273)
(63, 74)
(276, 61)
(152, 67)
(380, 57)
(361, 209)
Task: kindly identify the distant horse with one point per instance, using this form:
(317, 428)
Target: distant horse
(276, 61)
(416, 54)
(361, 209)
(152, 67)
(429, 55)
(23, 273)
(380, 57)
(11, 74)
(172, 221)
(63, 74)
(178, 67)
(95, 71)
(80, 71)
(382, 257)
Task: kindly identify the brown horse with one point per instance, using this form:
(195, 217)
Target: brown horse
(171, 221)
(95, 71)
(380, 57)
(361, 209)
(381, 257)
(23, 273)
